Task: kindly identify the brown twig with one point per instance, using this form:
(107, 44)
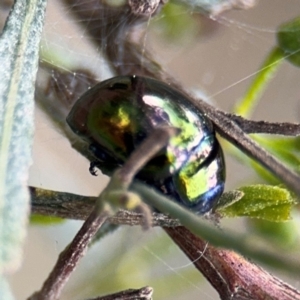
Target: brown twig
(71, 206)
(144, 293)
(197, 225)
(250, 126)
(229, 273)
(69, 258)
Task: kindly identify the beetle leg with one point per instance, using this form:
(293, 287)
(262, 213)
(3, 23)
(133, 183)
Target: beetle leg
(92, 168)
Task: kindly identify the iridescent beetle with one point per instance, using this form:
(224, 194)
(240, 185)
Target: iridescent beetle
(116, 115)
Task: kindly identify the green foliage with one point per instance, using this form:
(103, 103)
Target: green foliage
(272, 203)
(288, 38)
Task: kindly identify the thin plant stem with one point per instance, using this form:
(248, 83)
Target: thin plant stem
(144, 293)
(69, 258)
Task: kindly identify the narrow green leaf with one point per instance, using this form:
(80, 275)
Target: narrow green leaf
(288, 38)
(266, 72)
(19, 45)
(266, 202)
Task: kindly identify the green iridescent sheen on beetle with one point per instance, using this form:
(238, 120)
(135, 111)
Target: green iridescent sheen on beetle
(116, 115)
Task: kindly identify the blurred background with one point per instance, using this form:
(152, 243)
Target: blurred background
(214, 58)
